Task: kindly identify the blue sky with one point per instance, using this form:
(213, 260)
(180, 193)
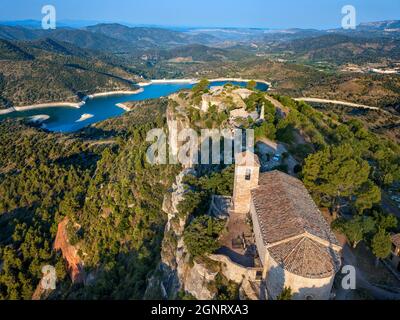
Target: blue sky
(209, 13)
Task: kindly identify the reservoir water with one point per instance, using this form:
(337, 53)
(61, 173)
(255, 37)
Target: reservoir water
(67, 119)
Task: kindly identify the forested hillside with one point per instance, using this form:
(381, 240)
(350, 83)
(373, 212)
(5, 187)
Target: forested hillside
(99, 180)
(341, 48)
(50, 71)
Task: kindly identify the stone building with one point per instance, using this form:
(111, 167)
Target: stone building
(247, 171)
(295, 244)
(395, 255)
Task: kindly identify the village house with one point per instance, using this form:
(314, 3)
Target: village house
(295, 246)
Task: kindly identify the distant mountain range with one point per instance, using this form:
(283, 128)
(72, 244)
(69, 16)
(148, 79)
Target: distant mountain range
(382, 25)
(109, 37)
(341, 48)
(145, 36)
(37, 24)
(78, 37)
(372, 39)
(75, 61)
(150, 37)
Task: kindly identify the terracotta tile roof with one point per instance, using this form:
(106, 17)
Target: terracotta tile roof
(396, 240)
(307, 258)
(285, 209)
(292, 227)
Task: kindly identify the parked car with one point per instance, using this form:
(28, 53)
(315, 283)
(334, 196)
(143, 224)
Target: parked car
(277, 158)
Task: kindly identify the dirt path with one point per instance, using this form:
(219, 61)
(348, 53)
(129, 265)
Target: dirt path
(343, 103)
(389, 206)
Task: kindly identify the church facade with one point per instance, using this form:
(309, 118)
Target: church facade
(296, 246)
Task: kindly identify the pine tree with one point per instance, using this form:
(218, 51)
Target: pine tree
(381, 245)
(286, 294)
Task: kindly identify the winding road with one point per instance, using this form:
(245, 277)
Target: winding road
(362, 282)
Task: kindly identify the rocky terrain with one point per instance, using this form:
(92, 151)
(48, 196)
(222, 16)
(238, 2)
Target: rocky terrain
(69, 252)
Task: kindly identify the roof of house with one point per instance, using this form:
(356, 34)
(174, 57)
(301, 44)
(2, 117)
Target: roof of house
(292, 227)
(396, 240)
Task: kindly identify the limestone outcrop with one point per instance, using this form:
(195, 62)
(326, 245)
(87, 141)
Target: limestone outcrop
(178, 271)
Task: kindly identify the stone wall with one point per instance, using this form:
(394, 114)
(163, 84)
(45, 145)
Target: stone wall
(257, 232)
(233, 271)
(302, 288)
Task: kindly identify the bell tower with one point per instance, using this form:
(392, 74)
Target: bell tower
(247, 173)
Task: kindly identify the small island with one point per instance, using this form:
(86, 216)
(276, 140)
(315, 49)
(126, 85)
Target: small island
(40, 118)
(84, 117)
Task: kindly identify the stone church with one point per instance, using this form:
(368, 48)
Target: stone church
(295, 244)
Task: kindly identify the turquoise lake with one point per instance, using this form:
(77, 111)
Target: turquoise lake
(64, 119)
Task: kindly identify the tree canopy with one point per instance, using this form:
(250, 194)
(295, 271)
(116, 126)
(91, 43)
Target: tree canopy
(355, 229)
(381, 244)
(201, 236)
(338, 174)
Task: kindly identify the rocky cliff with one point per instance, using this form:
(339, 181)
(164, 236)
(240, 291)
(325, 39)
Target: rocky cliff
(69, 252)
(178, 271)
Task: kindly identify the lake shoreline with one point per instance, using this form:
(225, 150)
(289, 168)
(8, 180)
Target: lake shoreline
(78, 105)
(194, 81)
(66, 104)
(123, 106)
(113, 93)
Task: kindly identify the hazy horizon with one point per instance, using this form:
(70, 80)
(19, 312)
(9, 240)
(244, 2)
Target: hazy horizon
(71, 23)
(258, 14)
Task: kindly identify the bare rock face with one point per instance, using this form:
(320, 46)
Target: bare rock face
(197, 279)
(243, 93)
(173, 250)
(40, 293)
(176, 122)
(70, 253)
(179, 191)
(239, 113)
(178, 272)
(223, 99)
